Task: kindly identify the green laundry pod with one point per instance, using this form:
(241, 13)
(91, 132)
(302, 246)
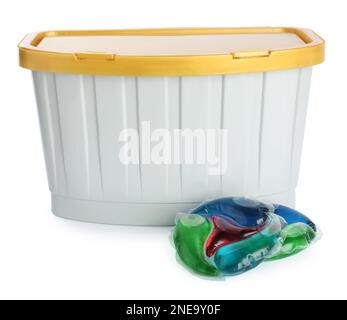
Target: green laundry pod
(189, 237)
(295, 238)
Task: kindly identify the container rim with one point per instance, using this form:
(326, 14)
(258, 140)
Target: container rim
(311, 52)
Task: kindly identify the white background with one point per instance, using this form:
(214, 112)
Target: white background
(44, 257)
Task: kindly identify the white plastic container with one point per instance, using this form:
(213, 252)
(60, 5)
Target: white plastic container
(253, 83)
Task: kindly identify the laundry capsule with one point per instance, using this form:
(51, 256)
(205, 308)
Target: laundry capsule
(232, 235)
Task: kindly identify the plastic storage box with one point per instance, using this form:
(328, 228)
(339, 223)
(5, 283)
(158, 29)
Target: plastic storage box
(249, 85)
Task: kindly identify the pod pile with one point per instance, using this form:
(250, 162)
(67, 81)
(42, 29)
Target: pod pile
(230, 236)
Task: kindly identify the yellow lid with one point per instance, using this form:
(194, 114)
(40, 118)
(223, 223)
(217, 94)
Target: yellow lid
(171, 52)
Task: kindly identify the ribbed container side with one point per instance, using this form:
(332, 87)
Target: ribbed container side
(81, 119)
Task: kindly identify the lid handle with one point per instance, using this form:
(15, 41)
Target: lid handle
(251, 54)
(95, 56)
